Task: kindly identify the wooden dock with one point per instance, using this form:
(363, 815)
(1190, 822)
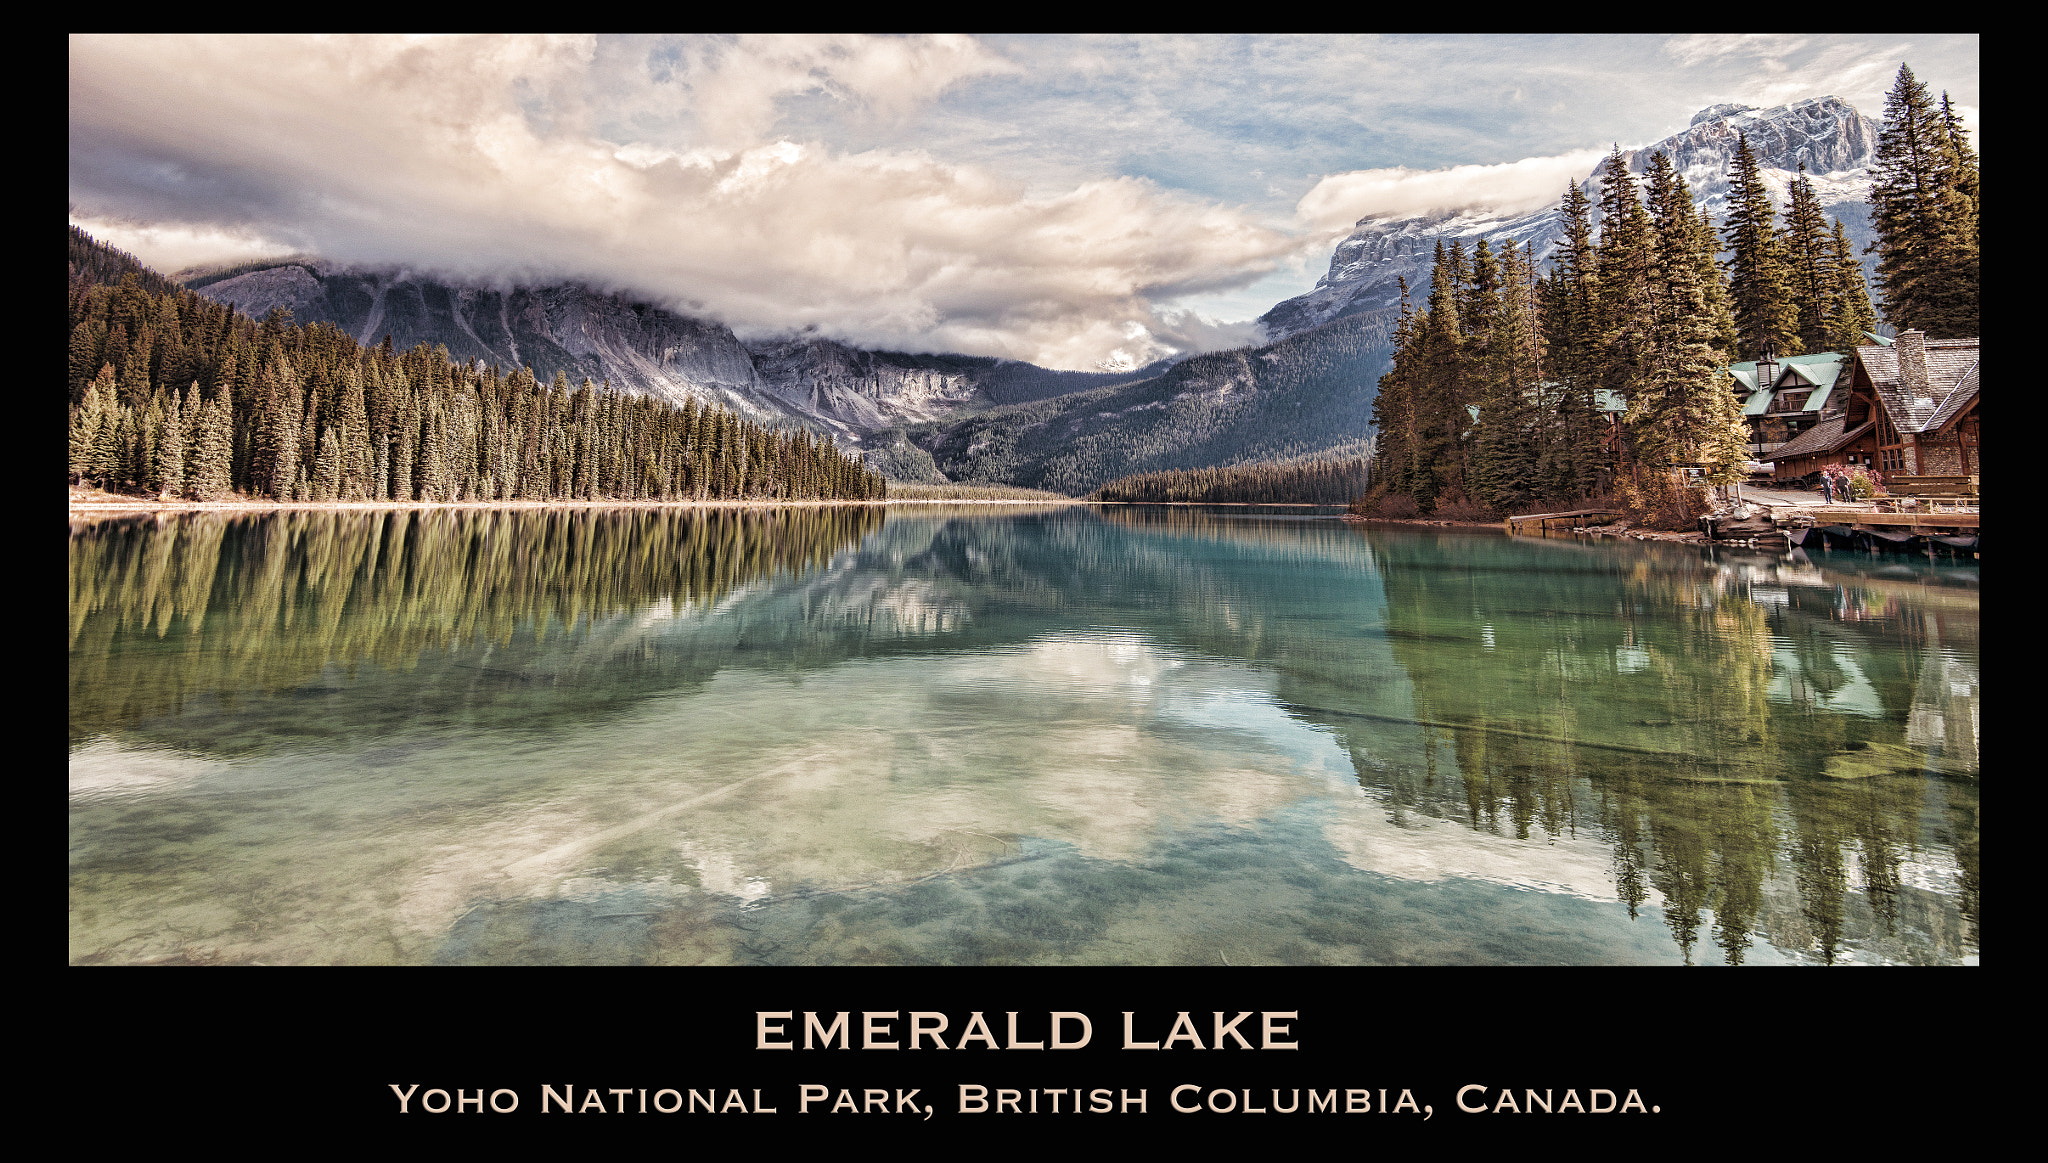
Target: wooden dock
(1542, 521)
(1907, 521)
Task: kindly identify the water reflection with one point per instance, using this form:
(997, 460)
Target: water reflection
(1144, 735)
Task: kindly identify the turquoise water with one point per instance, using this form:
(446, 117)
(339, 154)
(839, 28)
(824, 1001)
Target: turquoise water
(969, 735)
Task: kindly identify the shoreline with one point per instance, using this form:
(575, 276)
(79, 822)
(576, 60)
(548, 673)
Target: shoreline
(1688, 537)
(147, 506)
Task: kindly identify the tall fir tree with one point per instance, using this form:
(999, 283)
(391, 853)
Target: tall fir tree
(1923, 201)
(1574, 459)
(1850, 316)
(1759, 278)
(213, 456)
(167, 467)
(1681, 411)
(1811, 265)
(1508, 441)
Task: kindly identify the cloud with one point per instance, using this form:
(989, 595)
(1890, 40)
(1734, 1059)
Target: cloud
(171, 248)
(477, 157)
(1696, 48)
(1340, 200)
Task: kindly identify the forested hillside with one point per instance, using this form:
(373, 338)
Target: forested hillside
(1308, 395)
(174, 395)
(1314, 482)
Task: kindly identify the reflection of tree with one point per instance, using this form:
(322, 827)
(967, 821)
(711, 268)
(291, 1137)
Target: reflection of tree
(214, 604)
(1549, 668)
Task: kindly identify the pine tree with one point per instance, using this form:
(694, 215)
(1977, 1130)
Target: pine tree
(1811, 266)
(1923, 201)
(1681, 411)
(213, 456)
(1765, 315)
(91, 429)
(1629, 282)
(1851, 315)
(1441, 389)
(1393, 408)
(1507, 443)
(1958, 250)
(167, 467)
(1574, 457)
(353, 429)
(327, 467)
(84, 355)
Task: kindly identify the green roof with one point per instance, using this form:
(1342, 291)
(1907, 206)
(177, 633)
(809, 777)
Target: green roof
(1820, 369)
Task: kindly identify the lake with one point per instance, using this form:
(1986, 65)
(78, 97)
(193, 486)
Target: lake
(1007, 735)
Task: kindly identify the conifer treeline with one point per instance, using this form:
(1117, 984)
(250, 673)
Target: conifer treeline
(179, 396)
(1312, 482)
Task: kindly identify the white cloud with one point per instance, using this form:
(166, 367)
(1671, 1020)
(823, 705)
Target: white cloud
(1698, 47)
(1340, 200)
(474, 157)
(171, 248)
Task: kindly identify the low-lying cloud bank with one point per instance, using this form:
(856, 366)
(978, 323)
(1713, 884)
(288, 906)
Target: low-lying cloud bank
(1510, 188)
(477, 158)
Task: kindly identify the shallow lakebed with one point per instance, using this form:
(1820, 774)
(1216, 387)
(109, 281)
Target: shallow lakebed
(975, 735)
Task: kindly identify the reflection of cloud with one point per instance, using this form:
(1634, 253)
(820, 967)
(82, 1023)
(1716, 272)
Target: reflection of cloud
(104, 769)
(1429, 850)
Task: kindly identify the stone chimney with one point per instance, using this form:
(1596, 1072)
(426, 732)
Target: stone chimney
(1912, 349)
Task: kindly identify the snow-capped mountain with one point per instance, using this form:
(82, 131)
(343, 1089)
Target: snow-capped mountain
(580, 332)
(1826, 134)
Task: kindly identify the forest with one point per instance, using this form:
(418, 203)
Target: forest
(1607, 374)
(1314, 482)
(175, 396)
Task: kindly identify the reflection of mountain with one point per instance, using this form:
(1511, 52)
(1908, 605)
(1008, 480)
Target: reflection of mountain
(1766, 749)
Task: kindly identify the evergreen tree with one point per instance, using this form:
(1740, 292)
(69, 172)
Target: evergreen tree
(327, 468)
(1923, 201)
(1573, 459)
(1766, 316)
(167, 467)
(213, 456)
(91, 424)
(1681, 411)
(1441, 390)
(1507, 444)
(1807, 254)
(1851, 315)
(1626, 296)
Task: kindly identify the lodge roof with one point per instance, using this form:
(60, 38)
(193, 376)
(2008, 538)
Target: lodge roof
(1818, 371)
(1966, 390)
(1948, 362)
(1825, 436)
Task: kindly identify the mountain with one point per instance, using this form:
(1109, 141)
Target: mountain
(1309, 395)
(578, 332)
(1835, 142)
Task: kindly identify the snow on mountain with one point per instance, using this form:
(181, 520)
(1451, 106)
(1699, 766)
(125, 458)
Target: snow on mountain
(1826, 134)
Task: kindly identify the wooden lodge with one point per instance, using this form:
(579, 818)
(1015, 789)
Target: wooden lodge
(1908, 408)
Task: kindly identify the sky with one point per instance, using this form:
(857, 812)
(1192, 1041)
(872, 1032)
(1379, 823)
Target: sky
(1073, 201)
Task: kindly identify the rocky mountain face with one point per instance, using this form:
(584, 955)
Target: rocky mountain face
(1309, 395)
(580, 332)
(1826, 134)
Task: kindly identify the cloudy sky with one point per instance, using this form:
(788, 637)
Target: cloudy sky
(1058, 199)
